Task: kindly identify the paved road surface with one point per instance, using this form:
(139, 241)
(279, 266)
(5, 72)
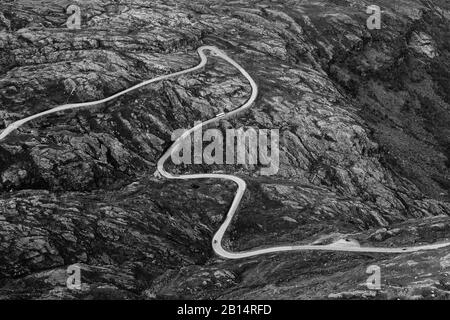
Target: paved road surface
(217, 238)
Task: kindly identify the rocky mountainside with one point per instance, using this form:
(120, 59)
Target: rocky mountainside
(364, 148)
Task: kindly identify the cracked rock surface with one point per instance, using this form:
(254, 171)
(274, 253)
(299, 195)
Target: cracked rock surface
(364, 122)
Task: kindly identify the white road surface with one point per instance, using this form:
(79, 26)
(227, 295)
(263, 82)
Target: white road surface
(217, 238)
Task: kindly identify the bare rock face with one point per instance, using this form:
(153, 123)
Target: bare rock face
(364, 148)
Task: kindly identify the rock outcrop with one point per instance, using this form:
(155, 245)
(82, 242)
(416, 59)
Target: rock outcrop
(364, 148)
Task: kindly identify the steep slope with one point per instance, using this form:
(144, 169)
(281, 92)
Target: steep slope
(363, 119)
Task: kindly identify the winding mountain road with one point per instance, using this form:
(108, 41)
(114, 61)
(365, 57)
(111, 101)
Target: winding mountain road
(217, 238)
